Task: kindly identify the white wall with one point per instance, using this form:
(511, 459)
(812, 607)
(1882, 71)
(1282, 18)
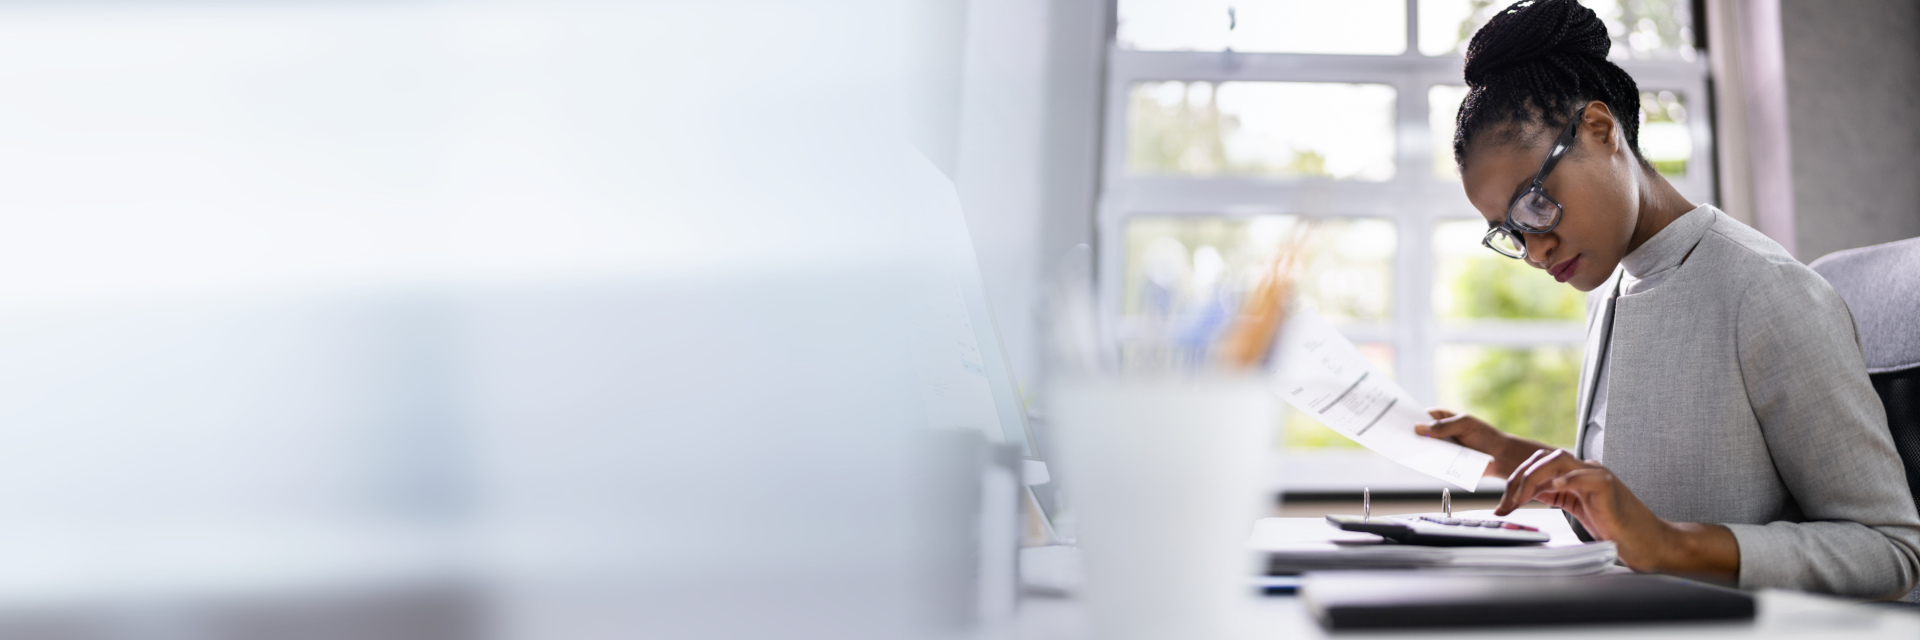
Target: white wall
(1853, 81)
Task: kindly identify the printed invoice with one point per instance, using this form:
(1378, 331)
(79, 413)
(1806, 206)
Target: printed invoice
(1320, 373)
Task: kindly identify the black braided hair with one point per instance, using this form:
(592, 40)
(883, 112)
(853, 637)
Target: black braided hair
(1532, 66)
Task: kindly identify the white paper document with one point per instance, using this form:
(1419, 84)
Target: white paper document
(1319, 372)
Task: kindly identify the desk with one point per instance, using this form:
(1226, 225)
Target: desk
(1783, 614)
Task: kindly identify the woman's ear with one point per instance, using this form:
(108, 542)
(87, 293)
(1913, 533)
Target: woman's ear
(1599, 127)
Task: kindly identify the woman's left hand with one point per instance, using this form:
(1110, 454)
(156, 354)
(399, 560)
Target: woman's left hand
(1610, 511)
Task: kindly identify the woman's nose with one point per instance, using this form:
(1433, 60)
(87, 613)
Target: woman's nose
(1538, 246)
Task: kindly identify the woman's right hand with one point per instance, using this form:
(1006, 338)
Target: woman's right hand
(1508, 451)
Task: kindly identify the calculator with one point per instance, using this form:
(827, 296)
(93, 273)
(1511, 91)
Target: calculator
(1443, 531)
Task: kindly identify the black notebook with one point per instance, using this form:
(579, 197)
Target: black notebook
(1392, 599)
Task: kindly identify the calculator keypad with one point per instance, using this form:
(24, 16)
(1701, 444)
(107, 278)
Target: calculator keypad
(1467, 522)
(1444, 531)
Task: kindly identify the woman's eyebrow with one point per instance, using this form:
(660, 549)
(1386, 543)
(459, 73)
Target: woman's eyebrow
(1519, 189)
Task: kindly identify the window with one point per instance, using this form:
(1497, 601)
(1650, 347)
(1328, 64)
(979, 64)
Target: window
(1261, 129)
(1233, 125)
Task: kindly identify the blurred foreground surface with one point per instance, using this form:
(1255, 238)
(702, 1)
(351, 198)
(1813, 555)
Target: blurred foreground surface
(465, 319)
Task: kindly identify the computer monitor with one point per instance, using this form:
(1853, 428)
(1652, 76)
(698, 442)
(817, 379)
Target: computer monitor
(966, 378)
(995, 404)
(1008, 405)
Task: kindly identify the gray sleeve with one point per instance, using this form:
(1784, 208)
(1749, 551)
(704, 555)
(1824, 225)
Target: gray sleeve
(1827, 432)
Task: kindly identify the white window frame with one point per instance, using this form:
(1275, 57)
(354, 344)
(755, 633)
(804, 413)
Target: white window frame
(1414, 200)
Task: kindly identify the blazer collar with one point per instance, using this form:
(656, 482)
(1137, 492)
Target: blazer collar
(1666, 249)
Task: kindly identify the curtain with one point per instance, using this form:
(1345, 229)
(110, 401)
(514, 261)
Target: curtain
(1750, 100)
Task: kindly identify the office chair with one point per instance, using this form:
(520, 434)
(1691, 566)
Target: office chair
(1881, 285)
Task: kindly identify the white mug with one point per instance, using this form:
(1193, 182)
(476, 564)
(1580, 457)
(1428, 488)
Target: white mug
(1164, 476)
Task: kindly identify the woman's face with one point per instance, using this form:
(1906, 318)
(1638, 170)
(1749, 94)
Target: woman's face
(1593, 184)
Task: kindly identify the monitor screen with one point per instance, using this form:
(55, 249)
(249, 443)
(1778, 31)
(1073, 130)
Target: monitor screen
(967, 380)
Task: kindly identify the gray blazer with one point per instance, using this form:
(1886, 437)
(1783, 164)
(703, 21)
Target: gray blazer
(1738, 396)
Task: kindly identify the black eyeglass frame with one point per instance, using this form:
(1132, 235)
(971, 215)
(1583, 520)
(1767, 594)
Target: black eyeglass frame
(1511, 228)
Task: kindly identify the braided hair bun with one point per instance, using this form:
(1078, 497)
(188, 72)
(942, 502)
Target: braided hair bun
(1533, 65)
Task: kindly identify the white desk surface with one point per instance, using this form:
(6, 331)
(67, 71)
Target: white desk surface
(1782, 614)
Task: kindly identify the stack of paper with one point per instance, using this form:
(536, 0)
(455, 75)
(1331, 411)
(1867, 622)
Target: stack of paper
(1298, 545)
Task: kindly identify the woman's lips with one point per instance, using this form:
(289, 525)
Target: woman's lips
(1564, 271)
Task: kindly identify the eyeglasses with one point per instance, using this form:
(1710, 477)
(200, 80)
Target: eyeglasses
(1532, 210)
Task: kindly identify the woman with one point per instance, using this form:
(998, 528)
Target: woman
(1727, 428)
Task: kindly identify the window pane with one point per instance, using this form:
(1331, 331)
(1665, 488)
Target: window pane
(1665, 139)
(1377, 27)
(1443, 110)
(1641, 29)
(1474, 283)
(1300, 431)
(1648, 29)
(1261, 129)
(1447, 25)
(1176, 268)
(1529, 392)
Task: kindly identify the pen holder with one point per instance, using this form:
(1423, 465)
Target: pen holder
(1164, 474)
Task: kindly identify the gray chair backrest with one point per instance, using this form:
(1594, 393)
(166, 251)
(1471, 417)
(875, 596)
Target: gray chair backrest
(1881, 285)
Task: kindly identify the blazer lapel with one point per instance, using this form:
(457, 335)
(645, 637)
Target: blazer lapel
(1599, 325)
